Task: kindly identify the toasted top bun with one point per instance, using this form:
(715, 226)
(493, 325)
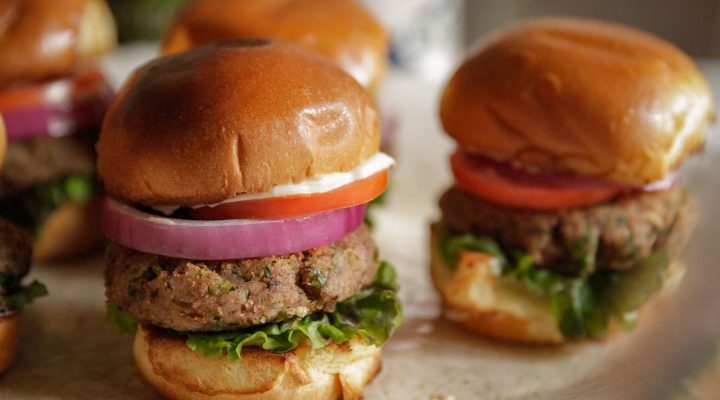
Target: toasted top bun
(329, 373)
(582, 97)
(229, 118)
(340, 29)
(41, 39)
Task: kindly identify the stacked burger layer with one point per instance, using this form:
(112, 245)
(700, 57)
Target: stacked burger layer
(15, 255)
(567, 212)
(52, 99)
(238, 175)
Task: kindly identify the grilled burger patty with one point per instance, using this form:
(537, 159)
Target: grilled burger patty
(15, 253)
(613, 235)
(33, 161)
(188, 296)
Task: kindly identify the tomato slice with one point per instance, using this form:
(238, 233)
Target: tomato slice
(44, 93)
(352, 194)
(486, 180)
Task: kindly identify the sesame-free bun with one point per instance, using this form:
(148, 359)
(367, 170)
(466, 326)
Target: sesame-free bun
(329, 373)
(9, 330)
(29, 31)
(582, 97)
(340, 29)
(72, 229)
(233, 117)
(476, 297)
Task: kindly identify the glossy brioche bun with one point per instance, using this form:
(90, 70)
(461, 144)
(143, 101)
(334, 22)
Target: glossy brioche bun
(478, 299)
(70, 230)
(178, 373)
(27, 26)
(579, 96)
(233, 117)
(340, 29)
(9, 330)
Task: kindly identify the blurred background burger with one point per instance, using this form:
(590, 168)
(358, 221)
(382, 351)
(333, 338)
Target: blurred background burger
(15, 254)
(52, 97)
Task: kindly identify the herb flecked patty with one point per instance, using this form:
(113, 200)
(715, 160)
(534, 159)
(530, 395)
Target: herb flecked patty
(615, 235)
(185, 295)
(41, 160)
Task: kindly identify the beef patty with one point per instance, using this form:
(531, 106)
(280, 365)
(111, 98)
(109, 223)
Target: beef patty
(185, 295)
(15, 254)
(613, 235)
(33, 161)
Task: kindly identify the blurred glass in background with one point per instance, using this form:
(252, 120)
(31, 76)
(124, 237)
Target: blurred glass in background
(426, 35)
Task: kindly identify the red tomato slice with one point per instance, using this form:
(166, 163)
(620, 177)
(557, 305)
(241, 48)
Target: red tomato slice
(352, 194)
(35, 95)
(485, 180)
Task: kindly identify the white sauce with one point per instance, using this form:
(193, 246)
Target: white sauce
(318, 184)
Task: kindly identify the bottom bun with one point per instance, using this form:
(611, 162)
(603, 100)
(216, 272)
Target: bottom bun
(70, 230)
(9, 329)
(476, 297)
(332, 372)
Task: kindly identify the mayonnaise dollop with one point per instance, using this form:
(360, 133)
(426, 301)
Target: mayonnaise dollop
(318, 184)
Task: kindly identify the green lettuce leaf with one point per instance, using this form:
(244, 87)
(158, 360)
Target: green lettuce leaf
(372, 314)
(123, 322)
(24, 295)
(31, 207)
(386, 276)
(582, 305)
(452, 245)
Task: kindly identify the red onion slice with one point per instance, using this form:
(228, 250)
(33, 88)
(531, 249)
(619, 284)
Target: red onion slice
(57, 108)
(56, 120)
(228, 239)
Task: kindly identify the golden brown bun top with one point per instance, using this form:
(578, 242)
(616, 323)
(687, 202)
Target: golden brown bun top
(46, 39)
(340, 29)
(232, 117)
(579, 96)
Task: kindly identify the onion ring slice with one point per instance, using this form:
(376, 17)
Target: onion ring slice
(227, 239)
(58, 108)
